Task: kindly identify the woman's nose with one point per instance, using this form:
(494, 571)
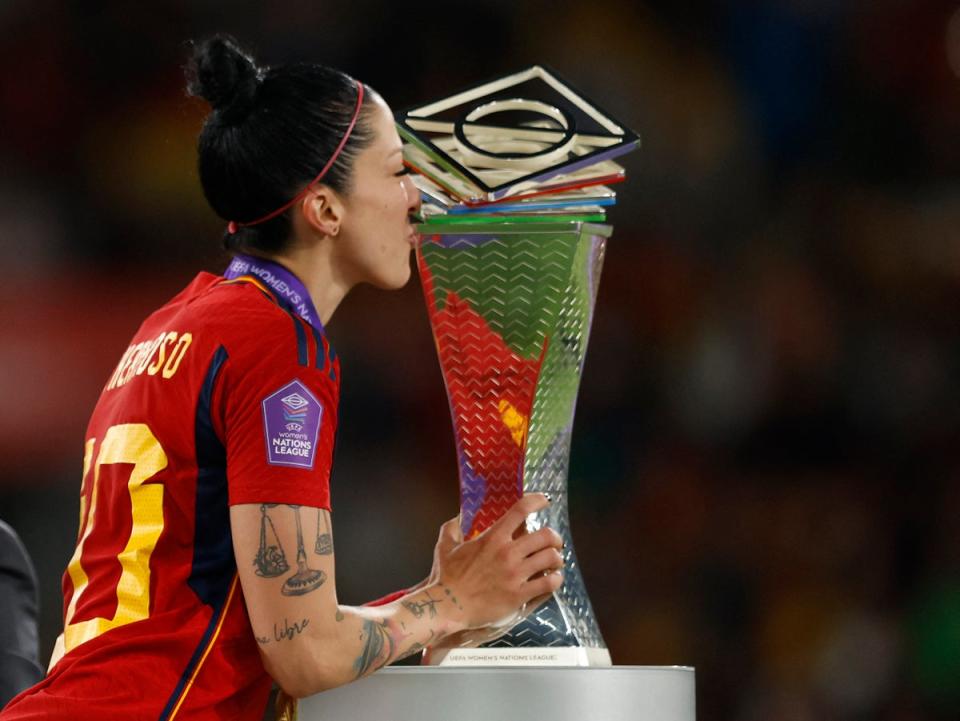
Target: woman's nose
(413, 195)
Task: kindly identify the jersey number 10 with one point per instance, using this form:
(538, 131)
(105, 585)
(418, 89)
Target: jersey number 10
(132, 443)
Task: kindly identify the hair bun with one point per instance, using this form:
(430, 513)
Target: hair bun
(224, 75)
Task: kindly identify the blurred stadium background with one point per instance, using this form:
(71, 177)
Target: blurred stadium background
(766, 460)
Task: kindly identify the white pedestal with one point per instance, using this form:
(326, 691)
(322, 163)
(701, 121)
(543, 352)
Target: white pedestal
(422, 693)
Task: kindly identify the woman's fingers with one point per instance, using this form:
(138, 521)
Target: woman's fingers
(518, 512)
(490, 572)
(546, 559)
(450, 533)
(542, 585)
(532, 542)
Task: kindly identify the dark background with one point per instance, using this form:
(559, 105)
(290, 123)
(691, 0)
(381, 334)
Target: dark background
(765, 464)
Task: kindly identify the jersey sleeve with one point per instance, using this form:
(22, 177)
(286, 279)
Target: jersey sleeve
(279, 416)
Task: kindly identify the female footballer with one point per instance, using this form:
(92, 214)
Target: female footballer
(204, 565)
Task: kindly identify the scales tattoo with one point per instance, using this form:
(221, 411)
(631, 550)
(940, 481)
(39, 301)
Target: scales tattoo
(271, 561)
(305, 579)
(324, 544)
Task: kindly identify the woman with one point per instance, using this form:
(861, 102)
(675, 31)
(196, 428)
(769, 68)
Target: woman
(204, 564)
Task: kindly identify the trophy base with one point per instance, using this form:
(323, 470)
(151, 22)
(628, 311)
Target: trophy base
(411, 693)
(526, 656)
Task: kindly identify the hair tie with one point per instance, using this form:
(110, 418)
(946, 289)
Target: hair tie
(233, 225)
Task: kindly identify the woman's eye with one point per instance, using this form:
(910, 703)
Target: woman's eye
(405, 171)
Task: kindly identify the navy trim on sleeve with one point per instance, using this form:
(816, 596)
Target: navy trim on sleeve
(303, 357)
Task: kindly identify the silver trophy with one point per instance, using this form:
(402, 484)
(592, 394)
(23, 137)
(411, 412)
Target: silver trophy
(515, 177)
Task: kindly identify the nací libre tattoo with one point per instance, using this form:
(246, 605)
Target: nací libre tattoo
(287, 632)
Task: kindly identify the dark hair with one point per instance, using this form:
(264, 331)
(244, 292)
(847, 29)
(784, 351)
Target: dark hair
(271, 131)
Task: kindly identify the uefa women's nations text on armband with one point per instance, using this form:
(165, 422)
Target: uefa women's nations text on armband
(161, 355)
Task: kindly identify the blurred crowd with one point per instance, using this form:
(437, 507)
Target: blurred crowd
(765, 473)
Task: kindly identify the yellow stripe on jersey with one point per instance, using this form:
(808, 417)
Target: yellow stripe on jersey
(251, 281)
(206, 652)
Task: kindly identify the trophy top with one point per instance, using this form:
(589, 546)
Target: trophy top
(515, 133)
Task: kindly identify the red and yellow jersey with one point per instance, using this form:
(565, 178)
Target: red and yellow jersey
(225, 396)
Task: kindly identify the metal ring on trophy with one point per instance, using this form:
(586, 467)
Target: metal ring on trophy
(549, 155)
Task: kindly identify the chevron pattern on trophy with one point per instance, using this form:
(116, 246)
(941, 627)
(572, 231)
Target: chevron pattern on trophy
(510, 309)
(493, 346)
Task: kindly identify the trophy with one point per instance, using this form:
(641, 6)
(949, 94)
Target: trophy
(515, 176)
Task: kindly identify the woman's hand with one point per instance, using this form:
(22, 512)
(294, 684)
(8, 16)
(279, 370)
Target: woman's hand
(491, 576)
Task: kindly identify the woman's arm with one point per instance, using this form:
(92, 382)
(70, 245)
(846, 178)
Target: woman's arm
(310, 643)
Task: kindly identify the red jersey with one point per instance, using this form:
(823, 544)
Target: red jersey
(225, 396)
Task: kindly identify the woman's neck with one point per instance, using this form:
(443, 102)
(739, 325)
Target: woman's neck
(313, 265)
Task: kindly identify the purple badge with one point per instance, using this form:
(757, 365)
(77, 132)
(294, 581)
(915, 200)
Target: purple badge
(291, 422)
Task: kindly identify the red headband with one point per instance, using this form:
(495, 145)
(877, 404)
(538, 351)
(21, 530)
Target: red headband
(233, 224)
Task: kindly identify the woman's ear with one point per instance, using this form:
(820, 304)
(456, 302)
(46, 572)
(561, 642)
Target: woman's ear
(322, 210)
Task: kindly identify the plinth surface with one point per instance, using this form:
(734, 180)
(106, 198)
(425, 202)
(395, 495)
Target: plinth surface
(412, 693)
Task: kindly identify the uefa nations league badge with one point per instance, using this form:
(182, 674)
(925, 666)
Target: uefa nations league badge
(291, 421)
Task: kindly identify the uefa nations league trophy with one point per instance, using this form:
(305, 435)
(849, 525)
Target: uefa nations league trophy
(515, 176)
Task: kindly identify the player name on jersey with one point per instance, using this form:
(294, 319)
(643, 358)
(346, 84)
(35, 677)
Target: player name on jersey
(161, 355)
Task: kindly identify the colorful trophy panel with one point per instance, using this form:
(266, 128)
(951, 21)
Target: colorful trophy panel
(511, 312)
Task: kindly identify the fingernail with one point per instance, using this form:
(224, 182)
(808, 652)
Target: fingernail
(548, 497)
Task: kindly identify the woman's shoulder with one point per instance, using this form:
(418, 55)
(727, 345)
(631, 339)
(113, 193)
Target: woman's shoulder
(234, 305)
(255, 329)
(238, 316)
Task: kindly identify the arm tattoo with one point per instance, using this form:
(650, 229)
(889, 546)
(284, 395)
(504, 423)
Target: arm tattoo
(416, 608)
(288, 632)
(324, 543)
(416, 647)
(271, 561)
(451, 596)
(376, 637)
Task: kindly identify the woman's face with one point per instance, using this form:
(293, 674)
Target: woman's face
(377, 233)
